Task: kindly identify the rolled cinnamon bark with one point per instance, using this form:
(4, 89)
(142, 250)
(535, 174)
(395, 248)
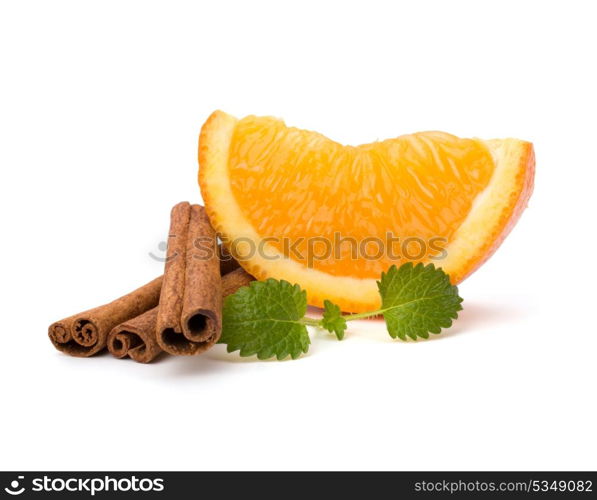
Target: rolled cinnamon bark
(190, 315)
(202, 312)
(86, 333)
(137, 337)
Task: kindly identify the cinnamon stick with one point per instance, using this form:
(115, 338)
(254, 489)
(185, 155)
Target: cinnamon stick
(235, 280)
(190, 315)
(86, 333)
(137, 337)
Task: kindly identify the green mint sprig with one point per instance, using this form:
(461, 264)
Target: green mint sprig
(267, 318)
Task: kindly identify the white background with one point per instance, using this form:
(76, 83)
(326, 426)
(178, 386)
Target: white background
(100, 107)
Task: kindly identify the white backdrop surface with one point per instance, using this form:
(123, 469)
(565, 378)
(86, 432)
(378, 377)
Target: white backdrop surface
(100, 107)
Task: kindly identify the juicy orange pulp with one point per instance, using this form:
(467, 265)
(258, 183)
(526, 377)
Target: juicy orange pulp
(294, 184)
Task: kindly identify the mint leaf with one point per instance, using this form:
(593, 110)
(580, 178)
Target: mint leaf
(267, 318)
(264, 319)
(332, 319)
(417, 300)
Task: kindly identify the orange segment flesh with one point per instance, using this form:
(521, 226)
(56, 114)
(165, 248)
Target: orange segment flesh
(272, 185)
(420, 185)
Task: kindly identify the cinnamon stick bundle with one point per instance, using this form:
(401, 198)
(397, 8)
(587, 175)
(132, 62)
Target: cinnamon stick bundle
(189, 319)
(137, 337)
(86, 333)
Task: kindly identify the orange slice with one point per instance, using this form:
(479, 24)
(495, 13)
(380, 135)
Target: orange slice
(292, 204)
